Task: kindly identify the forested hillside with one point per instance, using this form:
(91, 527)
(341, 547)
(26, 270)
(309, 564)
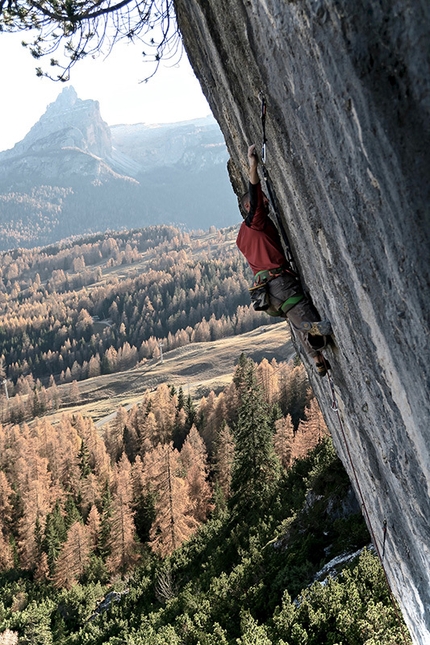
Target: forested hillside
(187, 522)
(104, 303)
(176, 519)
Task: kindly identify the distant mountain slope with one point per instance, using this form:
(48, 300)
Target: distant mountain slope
(72, 174)
(198, 368)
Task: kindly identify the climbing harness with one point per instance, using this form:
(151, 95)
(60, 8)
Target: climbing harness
(270, 188)
(381, 555)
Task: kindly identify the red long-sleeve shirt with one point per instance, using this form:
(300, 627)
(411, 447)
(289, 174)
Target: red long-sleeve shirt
(258, 237)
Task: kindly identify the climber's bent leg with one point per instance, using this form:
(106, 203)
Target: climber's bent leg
(288, 300)
(311, 330)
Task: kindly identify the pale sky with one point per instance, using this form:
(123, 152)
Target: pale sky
(173, 94)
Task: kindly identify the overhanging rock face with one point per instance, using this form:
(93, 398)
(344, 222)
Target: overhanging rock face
(348, 94)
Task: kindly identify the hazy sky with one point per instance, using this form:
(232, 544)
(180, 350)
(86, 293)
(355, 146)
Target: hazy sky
(173, 94)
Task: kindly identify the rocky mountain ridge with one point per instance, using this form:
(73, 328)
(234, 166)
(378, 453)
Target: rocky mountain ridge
(68, 122)
(127, 176)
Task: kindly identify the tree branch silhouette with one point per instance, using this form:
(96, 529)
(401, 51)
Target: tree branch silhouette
(80, 28)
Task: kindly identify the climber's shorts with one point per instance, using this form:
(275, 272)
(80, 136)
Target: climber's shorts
(284, 292)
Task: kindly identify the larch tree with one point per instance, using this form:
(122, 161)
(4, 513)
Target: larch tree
(6, 553)
(74, 556)
(148, 433)
(122, 538)
(224, 460)
(174, 522)
(212, 412)
(60, 446)
(164, 409)
(94, 366)
(90, 493)
(6, 509)
(42, 572)
(315, 420)
(34, 481)
(74, 394)
(99, 459)
(93, 526)
(283, 440)
(267, 378)
(310, 431)
(114, 434)
(193, 457)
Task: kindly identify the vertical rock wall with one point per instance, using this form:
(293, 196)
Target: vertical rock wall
(348, 94)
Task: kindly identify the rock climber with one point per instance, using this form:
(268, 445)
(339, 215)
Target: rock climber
(276, 287)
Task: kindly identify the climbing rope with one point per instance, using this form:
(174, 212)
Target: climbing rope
(381, 556)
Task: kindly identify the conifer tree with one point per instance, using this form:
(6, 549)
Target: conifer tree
(6, 508)
(122, 535)
(180, 428)
(267, 378)
(294, 391)
(193, 457)
(74, 556)
(94, 367)
(115, 434)
(212, 413)
(74, 394)
(148, 433)
(190, 410)
(84, 460)
(42, 572)
(283, 440)
(181, 399)
(93, 525)
(54, 536)
(256, 467)
(54, 394)
(99, 460)
(6, 553)
(143, 501)
(72, 514)
(174, 522)
(35, 481)
(164, 409)
(310, 431)
(224, 460)
(105, 522)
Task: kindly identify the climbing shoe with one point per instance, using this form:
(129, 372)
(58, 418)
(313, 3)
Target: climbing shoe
(320, 328)
(322, 366)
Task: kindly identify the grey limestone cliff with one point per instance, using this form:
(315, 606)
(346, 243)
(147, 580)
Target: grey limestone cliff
(348, 93)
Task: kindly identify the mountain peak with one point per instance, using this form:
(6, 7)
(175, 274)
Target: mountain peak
(68, 122)
(65, 100)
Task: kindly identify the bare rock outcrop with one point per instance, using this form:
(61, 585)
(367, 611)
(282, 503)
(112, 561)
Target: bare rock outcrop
(348, 93)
